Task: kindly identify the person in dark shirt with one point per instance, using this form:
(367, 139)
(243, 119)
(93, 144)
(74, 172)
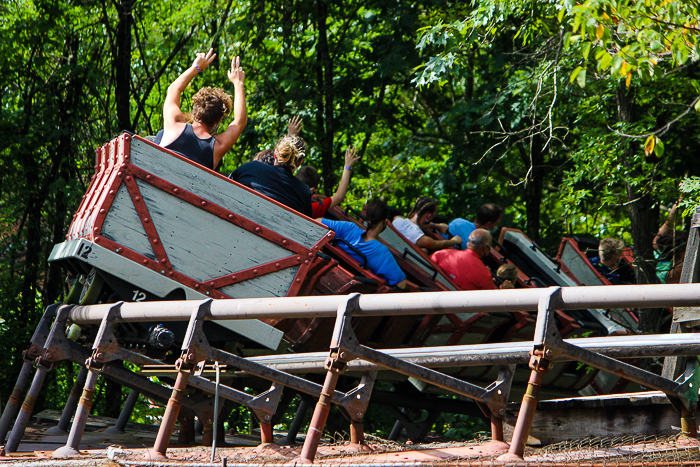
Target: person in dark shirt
(610, 253)
(195, 140)
(278, 181)
(266, 156)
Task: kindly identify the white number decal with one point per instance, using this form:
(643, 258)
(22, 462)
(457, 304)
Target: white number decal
(139, 296)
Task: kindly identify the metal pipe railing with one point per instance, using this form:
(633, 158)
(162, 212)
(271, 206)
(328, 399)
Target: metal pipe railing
(647, 345)
(484, 301)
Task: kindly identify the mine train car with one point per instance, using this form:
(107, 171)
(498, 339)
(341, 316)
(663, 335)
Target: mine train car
(156, 226)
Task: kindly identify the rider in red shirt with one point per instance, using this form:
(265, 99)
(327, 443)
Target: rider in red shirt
(465, 267)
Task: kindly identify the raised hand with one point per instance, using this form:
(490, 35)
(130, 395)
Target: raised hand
(202, 61)
(350, 158)
(236, 74)
(295, 126)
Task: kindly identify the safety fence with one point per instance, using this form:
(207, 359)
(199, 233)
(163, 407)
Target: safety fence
(50, 345)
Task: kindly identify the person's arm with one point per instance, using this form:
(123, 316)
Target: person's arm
(173, 117)
(225, 140)
(402, 284)
(320, 207)
(442, 228)
(670, 224)
(432, 244)
(295, 126)
(342, 190)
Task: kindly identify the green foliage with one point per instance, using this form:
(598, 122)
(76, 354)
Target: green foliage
(518, 103)
(690, 187)
(460, 427)
(628, 37)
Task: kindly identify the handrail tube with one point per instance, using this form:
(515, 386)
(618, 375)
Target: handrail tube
(353, 248)
(416, 303)
(651, 345)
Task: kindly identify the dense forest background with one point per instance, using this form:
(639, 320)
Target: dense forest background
(578, 118)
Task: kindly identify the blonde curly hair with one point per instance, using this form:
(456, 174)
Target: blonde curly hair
(210, 105)
(288, 152)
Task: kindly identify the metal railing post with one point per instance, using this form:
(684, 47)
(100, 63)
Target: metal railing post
(540, 363)
(526, 416)
(81, 415)
(25, 412)
(104, 342)
(167, 424)
(71, 404)
(125, 414)
(185, 367)
(335, 365)
(35, 351)
(14, 402)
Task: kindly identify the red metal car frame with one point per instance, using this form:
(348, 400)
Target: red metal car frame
(113, 168)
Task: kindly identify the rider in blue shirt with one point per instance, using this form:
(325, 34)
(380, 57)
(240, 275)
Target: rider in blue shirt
(379, 258)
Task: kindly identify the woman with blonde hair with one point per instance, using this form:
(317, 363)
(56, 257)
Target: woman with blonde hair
(195, 139)
(278, 181)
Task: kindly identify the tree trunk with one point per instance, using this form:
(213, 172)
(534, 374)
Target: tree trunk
(62, 158)
(324, 109)
(122, 64)
(533, 190)
(643, 217)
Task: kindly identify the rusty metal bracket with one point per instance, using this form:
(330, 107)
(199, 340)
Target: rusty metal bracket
(498, 392)
(264, 405)
(547, 339)
(57, 346)
(355, 402)
(195, 347)
(106, 348)
(343, 338)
